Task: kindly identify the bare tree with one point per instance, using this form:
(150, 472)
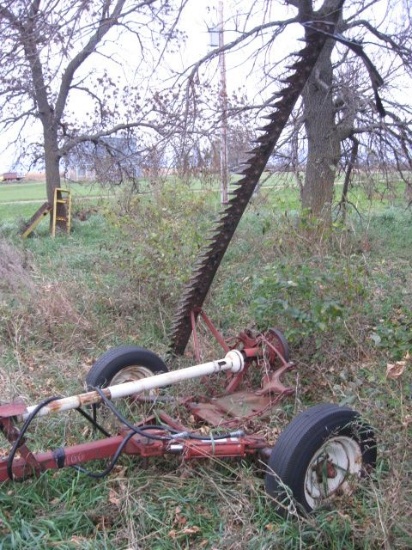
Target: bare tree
(349, 104)
(59, 58)
(342, 111)
(54, 59)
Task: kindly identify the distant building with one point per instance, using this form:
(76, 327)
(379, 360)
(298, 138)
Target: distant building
(12, 176)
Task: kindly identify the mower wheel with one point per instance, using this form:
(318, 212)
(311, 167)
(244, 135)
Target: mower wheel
(278, 340)
(319, 456)
(124, 364)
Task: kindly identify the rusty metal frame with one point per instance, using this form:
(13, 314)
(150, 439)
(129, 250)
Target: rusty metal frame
(228, 411)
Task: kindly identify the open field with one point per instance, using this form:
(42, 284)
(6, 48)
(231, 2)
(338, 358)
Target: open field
(36, 191)
(19, 201)
(342, 299)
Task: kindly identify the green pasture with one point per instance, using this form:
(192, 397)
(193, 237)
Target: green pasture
(36, 191)
(342, 298)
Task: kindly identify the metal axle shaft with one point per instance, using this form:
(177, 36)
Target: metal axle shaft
(233, 362)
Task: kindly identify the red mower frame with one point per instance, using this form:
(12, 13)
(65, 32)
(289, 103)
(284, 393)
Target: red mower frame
(340, 448)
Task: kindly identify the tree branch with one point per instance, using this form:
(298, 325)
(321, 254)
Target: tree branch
(107, 21)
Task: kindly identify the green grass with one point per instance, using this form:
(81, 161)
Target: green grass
(36, 191)
(22, 191)
(343, 300)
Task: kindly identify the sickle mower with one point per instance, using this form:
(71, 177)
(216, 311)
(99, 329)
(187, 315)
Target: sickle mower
(319, 455)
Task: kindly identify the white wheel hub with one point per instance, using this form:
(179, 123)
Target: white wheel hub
(130, 374)
(330, 471)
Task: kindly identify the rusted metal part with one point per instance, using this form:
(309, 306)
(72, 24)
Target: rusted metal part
(265, 348)
(222, 448)
(210, 258)
(275, 346)
(262, 351)
(80, 454)
(272, 383)
(31, 460)
(16, 408)
(144, 447)
(68, 403)
(266, 351)
(231, 410)
(249, 350)
(11, 432)
(8, 427)
(228, 409)
(199, 313)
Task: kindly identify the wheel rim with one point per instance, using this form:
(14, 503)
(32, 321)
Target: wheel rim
(332, 469)
(131, 374)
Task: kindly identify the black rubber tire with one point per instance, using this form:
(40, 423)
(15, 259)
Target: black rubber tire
(116, 359)
(298, 444)
(284, 346)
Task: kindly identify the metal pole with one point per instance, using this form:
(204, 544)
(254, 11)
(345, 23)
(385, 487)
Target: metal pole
(233, 362)
(224, 175)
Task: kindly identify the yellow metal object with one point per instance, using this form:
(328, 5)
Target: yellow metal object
(62, 201)
(36, 219)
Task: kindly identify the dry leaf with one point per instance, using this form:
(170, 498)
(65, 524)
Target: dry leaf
(395, 370)
(191, 530)
(179, 519)
(407, 420)
(194, 530)
(205, 430)
(114, 498)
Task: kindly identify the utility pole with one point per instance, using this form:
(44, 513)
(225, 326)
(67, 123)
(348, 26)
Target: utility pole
(224, 171)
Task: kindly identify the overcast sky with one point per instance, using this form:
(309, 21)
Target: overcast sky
(196, 19)
(199, 15)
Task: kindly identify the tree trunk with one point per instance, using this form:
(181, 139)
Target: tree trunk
(46, 113)
(52, 164)
(323, 140)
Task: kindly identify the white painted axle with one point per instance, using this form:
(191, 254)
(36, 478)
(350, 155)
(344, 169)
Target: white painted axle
(233, 362)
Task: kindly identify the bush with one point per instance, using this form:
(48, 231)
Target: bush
(162, 235)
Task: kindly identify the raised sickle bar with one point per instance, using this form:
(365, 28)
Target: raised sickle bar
(233, 361)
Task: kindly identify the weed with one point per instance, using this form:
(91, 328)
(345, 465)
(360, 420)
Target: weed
(343, 301)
